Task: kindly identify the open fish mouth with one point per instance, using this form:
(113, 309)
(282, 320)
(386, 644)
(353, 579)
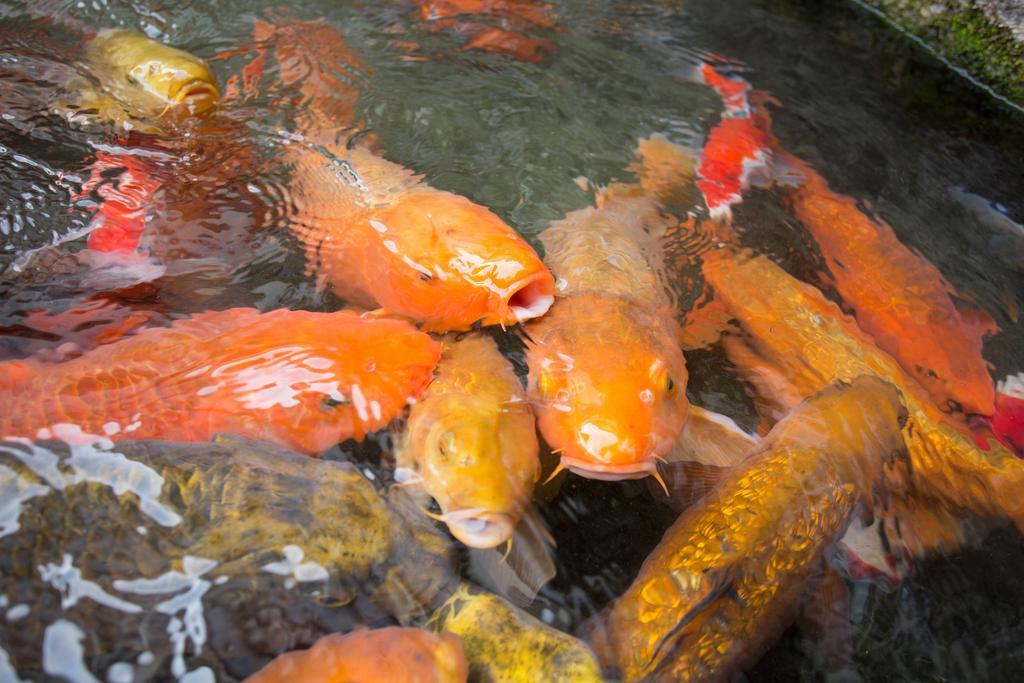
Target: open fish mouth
(530, 298)
(479, 528)
(198, 95)
(604, 472)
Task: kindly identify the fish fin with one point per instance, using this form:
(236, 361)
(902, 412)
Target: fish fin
(976, 317)
(704, 326)
(521, 571)
(824, 619)
(704, 591)
(711, 438)
(686, 482)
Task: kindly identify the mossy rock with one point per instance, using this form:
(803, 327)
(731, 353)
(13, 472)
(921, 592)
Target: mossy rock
(985, 38)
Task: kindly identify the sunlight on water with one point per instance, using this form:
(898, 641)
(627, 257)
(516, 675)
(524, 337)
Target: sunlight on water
(801, 202)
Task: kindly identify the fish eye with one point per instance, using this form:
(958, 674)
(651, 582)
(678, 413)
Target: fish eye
(331, 402)
(670, 385)
(446, 444)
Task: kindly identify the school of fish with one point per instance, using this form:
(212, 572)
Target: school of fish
(148, 448)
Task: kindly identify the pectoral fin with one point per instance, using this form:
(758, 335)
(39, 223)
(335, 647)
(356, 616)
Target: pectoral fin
(527, 566)
(711, 438)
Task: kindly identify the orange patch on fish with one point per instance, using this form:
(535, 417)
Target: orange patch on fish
(302, 380)
(394, 654)
(379, 236)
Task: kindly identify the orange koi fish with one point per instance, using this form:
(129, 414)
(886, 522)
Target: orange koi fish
(495, 38)
(606, 375)
(375, 232)
(301, 380)
(795, 342)
(899, 298)
(400, 655)
(728, 576)
(471, 442)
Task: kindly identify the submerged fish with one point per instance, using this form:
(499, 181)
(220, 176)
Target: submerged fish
(503, 643)
(607, 377)
(398, 655)
(471, 443)
(302, 380)
(139, 81)
(795, 342)
(727, 578)
(178, 558)
(899, 297)
(375, 232)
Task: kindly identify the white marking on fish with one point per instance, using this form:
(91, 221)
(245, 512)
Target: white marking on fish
(67, 580)
(63, 655)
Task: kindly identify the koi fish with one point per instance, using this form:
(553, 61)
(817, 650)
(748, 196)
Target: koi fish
(794, 342)
(503, 643)
(1007, 422)
(471, 444)
(727, 577)
(900, 298)
(606, 376)
(139, 81)
(380, 236)
(301, 380)
(181, 534)
(496, 37)
(396, 654)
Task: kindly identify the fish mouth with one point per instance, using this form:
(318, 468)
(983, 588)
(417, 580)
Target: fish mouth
(529, 298)
(198, 95)
(479, 528)
(604, 472)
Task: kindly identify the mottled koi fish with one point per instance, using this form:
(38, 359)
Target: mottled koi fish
(375, 232)
(400, 655)
(301, 380)
(727, 578)
(794, 342)
(899, 297)
(494, 26)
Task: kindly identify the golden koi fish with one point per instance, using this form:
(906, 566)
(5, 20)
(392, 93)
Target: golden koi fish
(727, 577)
(503, 643)
(471, 442)
(139, 81)
(795, 342)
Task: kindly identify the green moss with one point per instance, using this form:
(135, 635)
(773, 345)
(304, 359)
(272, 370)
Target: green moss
(964, 34)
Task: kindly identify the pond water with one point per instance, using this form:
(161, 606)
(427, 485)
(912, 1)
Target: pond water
(884, 122)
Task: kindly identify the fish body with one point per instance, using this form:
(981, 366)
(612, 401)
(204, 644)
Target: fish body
(727, 577)
(796, 342)
(503, 643)
(302, 380)
(606, 375)
(472, 442)
(139, 81)
(253, 550)
(898, 297)
(401, 655)
(376, 233)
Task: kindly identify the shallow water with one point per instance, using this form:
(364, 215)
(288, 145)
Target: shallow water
(881, 120)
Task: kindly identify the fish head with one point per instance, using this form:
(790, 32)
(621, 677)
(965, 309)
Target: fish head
(479, 460)
(152, 79)
(309, 380)
(608, 384)
(462, 266)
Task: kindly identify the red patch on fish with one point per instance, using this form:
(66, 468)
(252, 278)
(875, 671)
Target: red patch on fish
(126, 184)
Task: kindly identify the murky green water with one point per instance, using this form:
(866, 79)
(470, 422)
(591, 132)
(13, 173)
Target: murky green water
(882, 121)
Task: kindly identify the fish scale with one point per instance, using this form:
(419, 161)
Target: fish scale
(237, 371)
